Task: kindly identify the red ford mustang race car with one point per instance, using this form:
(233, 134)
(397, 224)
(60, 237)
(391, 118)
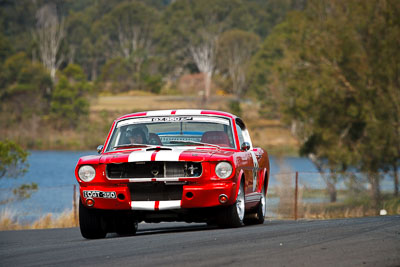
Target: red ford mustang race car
(172, 165)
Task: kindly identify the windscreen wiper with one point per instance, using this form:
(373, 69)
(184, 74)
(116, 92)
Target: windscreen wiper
(131, 145)
(150, 147)
(194, 143)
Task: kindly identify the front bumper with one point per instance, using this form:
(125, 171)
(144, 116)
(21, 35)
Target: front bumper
(193, 196)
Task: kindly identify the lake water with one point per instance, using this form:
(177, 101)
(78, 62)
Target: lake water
(53, 171)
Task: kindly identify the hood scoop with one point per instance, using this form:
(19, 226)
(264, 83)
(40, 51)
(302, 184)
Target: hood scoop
(158, 148)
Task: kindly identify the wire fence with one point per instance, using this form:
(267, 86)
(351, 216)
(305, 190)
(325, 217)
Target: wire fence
(295, 195)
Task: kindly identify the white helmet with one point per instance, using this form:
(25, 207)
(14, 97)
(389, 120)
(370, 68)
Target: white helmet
(134, 127)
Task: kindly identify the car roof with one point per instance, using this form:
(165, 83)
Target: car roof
(183, 112)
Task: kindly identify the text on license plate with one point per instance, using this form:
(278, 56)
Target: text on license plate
(99, 194)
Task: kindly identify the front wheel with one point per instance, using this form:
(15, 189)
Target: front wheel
(91, 223)
(259, 216)
(233, 215)
(262, 206)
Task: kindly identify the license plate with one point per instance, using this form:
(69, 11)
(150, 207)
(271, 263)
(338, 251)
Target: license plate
(99, 194)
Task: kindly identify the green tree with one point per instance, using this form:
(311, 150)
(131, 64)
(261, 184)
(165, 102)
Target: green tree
(235, 49)
(49, 34)
(77, 33)
(188, 35)
(117, 76)
(380, 33)
(265, 71)
(16, 20)
(183, 21)
(25, 90)
(69, 103)
(129, 34)
(13, 164)
(86, 42)
(13, 160)
(5, 48)
(334, 86)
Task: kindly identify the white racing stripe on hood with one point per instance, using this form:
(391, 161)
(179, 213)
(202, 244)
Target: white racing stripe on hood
(162, 155)
(168, 155)
(137, 156)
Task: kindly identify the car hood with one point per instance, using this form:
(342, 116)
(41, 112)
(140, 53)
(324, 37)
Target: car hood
(173, 154)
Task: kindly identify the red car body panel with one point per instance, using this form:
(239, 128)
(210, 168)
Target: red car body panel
(250, 167)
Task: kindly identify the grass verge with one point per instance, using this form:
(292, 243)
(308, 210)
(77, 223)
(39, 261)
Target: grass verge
(9, 221)
(349, 208)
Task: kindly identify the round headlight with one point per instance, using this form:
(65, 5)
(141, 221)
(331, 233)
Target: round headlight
(223, 170)
(86, 173)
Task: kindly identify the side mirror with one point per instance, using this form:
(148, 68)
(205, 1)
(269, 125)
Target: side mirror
(99, 148)
(245, 146)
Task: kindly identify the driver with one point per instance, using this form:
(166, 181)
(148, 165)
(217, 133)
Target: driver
(137, 136)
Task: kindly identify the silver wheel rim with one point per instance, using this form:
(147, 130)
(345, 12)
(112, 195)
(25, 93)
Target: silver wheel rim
(263, 200)
(240, 204)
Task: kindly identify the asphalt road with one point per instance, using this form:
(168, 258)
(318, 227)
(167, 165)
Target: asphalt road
(373, 241)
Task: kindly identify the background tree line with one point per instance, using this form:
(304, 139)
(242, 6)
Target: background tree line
(55, 55)
(328, 69)
(122, 45)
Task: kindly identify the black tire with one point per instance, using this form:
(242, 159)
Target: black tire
(261, 209)
(126, 225)
(259, 216)
(91, 223)
(233, 215)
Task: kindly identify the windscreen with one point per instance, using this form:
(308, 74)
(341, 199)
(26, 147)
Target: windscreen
(172, 131)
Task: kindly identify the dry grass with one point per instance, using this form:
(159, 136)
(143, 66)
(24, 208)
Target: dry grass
(284, 210)
(9, 221)
(323, 211)
(132, 103)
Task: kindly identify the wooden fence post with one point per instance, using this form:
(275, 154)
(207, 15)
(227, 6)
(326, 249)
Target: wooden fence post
(295, 195)
(74, 203)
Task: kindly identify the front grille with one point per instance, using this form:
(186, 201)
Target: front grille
(155, 191)
(154, 169)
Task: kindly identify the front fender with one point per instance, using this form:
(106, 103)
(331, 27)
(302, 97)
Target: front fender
(239, 178)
